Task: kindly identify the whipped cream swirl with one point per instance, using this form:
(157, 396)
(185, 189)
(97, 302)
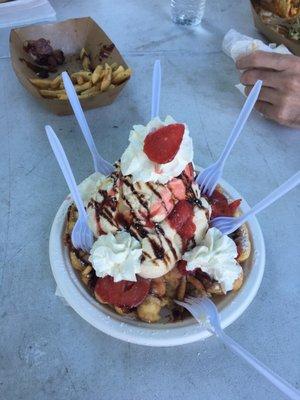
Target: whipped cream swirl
(116, 255)
(215, 256)
(135, 162)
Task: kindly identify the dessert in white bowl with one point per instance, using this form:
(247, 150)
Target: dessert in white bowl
(73, 286)
(153, 243)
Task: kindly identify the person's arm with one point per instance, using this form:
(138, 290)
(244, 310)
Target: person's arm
(279, 98)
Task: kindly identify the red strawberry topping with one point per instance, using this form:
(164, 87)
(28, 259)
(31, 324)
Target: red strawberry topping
(181, 219)
(123, 293)
(162, 145)
(220, 205)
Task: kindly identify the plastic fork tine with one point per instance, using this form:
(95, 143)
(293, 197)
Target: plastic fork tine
(192, 299)
(200, 302)
(184, 304)
(181, 303)
(202, 184)
(84, 237)
(204, 176)
(189, 300)
(88, 237)
(207, 186)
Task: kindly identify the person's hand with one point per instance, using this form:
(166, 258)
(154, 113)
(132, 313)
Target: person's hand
(279, 98)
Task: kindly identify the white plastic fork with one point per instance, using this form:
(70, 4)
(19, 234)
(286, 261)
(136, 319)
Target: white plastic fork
(156, 85)
(206, 313)
(100, 164)
(82, 236)
(210, 176)
(228, 225)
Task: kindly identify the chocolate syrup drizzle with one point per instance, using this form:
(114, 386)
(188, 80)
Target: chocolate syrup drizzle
(81, 255)
(157, 194)
(139, 230)
(160, 230)
(107, 209)
(139, 196)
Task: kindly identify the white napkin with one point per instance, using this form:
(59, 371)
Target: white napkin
(236, 45)
(25, 12)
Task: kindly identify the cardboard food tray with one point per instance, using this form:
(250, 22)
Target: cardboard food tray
(272, 36)
(70, 36)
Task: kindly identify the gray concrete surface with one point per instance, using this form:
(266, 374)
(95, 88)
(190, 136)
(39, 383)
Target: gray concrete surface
(46, 350)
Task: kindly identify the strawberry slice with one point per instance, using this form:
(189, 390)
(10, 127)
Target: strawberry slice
(220, 205)
(162, 145)
(181, 219)
(234, 206)
(177, 188)
(188, 229)
(180, 213)
(123, 293)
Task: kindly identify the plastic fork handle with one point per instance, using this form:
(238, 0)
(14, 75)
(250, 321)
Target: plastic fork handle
(272, 197)
(275, 379)
(156, 85)
(79, 114)
(240, 123)
(66, 169)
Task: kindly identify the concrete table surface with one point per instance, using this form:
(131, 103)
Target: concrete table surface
(46, 350)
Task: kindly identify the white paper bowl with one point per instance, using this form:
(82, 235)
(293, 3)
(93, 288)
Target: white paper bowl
(101, 317)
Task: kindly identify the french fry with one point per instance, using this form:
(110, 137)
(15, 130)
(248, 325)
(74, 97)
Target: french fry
(117, 71)
(51, 94)
(181, 289)
(41, 83)
(97, 74)
(85, 59)
(87, 95)
(87, 83)
(92, 90)
(86, 64)
(86, 75)
(114, 66)
(80, 80)
(106, 81)
(55, 84)
(83, 53)
(81, 88)
(196, 283)
(103, 72)
(121, 77)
